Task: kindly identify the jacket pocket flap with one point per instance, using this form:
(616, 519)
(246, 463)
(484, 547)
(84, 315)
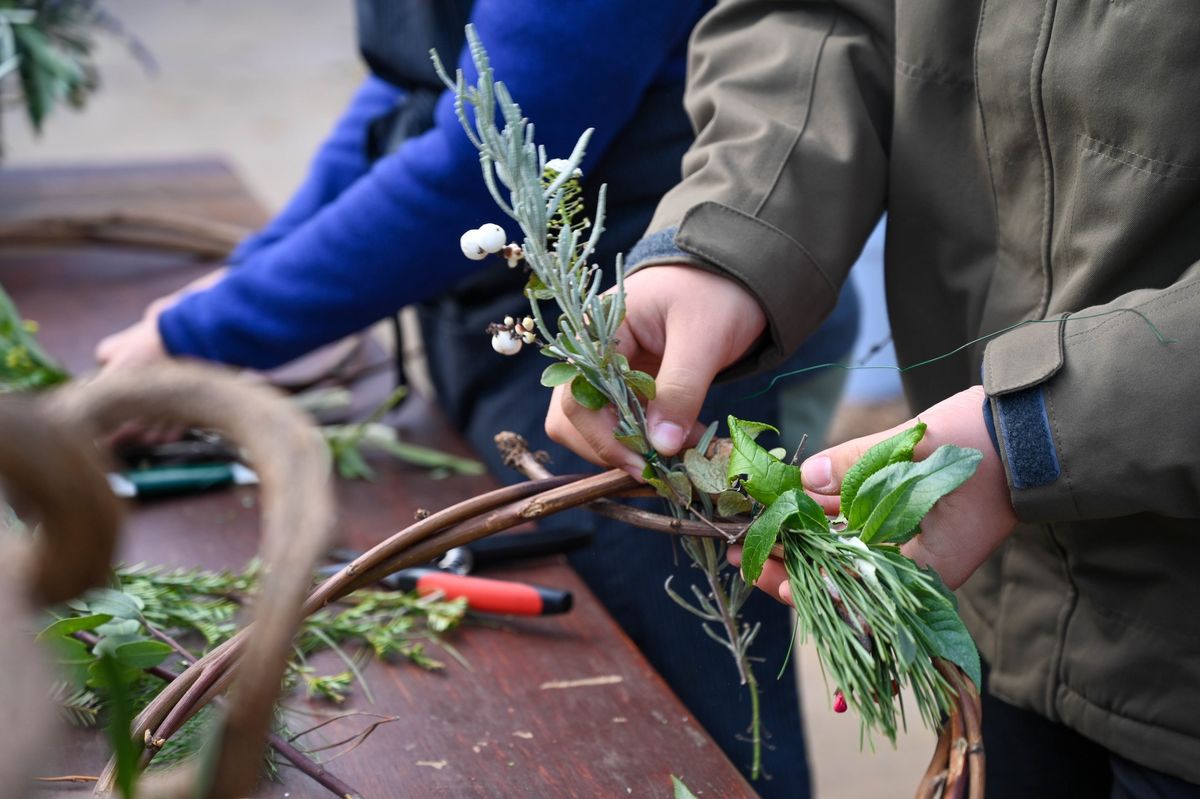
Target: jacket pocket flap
(1023, 357)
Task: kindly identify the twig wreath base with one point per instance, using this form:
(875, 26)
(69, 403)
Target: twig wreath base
(957, 766)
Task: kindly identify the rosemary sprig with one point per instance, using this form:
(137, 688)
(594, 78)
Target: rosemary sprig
(139, 625)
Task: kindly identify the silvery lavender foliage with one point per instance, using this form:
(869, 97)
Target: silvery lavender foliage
(540, 196)
(543, 197)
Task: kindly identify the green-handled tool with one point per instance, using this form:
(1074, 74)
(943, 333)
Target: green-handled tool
(157, 481)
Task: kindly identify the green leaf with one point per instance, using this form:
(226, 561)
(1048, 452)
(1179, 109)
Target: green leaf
(945, 634)
(673, 486)
(897, 449)
(428, 457)
(681, 487)
(72, 656)
(74, 624)
(730, 503)
(119, 628)
(766, 477)
(115, 603)
(793, 508)
(351, 465)
(761, 536)
(535, 289)
(642, 383)
(110, 676)
(633, 442)
(896, 498)
(142, 654)
(710, 432)
(558, 373)
(681, 790)
(707, 474)
(586, 394)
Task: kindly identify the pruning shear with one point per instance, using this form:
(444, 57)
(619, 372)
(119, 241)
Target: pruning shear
(192, 465)
(449, 576)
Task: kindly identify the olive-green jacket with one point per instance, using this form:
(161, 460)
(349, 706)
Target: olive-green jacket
(1036, 158)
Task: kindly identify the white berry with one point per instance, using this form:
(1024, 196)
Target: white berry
(471, 247)
(491, 237)
(559, 165)
(505, 343)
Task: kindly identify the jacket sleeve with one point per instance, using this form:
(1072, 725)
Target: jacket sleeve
(340, 161)
(792, 107)
(391, 238)
(1089, 409)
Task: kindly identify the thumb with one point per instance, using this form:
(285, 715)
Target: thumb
(822, 473)
(690, 361)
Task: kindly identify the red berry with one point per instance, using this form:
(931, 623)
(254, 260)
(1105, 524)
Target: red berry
(839, 702)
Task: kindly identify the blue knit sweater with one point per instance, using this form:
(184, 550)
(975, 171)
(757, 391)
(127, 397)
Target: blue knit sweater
(358, 241)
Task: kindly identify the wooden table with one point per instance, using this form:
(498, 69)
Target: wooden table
(556, 707)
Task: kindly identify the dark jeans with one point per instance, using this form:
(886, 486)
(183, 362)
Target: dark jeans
(1030, 756)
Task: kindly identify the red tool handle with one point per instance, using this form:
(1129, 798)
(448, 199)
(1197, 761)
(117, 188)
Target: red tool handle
(493, 596)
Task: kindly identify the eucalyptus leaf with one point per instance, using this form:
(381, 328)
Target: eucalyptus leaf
(730, 503)
(707, 474)
(766, 477)
(897, 449)
(558, 373)
(586, 394)
(681, 486)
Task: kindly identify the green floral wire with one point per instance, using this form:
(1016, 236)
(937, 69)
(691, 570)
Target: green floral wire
(1163, 340)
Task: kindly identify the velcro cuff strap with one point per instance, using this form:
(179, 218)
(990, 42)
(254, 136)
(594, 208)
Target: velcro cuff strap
(1024, 432)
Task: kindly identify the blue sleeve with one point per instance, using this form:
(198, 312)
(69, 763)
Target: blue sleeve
(340, 161)
(391, 239)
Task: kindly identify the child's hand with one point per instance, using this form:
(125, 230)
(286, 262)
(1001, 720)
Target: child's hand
(963, 528)
(140, 344)
(683, 325)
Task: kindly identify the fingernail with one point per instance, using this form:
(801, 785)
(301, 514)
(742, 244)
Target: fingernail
(785, 592)
(734, 555)
(817, 474)
(666, 437)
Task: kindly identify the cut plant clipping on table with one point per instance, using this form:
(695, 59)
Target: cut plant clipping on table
(877, 620)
